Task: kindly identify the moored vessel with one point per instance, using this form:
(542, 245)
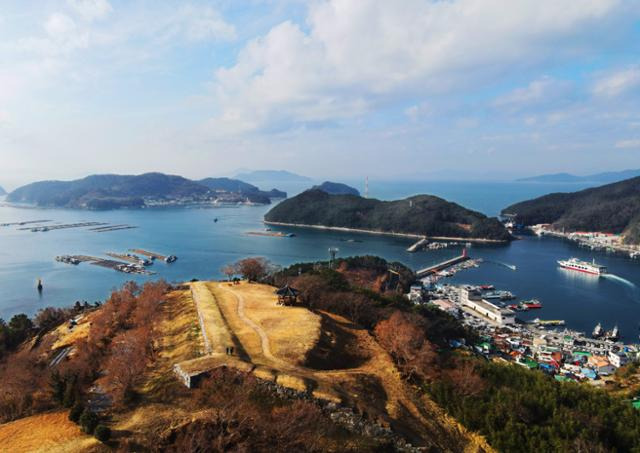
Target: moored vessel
(598, 331)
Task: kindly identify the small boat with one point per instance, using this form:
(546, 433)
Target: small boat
(215, 220)
(598, 331)
(613, 335)
(532, 304)
(40, 287)
(170, 259)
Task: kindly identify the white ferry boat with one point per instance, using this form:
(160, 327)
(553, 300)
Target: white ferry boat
(583, 266)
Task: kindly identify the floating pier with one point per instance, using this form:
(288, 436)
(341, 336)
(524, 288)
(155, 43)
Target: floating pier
(277, 234)
(442, 266)
(63, 226)
(28, 222)
(106, 229)
(149, 254)
(155, 256)
(120, 266)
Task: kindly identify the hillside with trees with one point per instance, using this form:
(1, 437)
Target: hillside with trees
(241, 187)
(337, 188)
(423, 215)
(137, 191)
(613, 208)
(515, 409)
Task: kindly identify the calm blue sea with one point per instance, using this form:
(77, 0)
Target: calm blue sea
(204, 246)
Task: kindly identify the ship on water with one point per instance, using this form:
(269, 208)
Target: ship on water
(598, 331)
(575, 264)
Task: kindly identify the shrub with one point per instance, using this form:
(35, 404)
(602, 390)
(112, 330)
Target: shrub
(88, 421)
(75, 412)
(102, 433)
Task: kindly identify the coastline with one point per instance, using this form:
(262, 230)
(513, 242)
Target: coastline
(389, 233)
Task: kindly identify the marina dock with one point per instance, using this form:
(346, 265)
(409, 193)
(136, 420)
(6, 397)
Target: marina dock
(120, 266)
(442, 266)
(149, 254)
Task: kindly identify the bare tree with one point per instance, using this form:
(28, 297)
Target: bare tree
(254, 268)
(229, 270)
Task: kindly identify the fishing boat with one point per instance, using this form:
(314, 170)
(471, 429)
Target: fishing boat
(531, 304)
(598, 331)
(613, 335)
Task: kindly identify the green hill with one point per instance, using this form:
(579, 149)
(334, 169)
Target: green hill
(108, 191)
(241, 187)
(336, 188)
(613, 208)
(420, 215)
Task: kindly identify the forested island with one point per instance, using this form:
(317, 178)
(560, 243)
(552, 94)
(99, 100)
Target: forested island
(613, 208)
(336, 188)
(421, 215)
(138, 191)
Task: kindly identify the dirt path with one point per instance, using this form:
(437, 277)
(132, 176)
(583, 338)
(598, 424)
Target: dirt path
(264, 338)
(423, 417)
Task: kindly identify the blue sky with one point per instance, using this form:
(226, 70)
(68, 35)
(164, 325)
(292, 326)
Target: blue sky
(336, 89)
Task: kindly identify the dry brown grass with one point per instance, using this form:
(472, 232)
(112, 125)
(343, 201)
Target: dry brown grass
(50, 432)
(66, 337)
(292, 331)
(215, 326)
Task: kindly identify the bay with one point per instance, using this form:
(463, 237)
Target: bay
(204, 246)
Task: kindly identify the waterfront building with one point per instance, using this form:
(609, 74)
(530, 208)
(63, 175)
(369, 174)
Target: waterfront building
(471, 298)
(617, 359)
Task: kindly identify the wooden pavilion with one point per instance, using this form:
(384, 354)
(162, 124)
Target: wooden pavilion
(287, 295)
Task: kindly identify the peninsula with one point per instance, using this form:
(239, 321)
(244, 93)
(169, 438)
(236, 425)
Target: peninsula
(417, 216)
(613, 208)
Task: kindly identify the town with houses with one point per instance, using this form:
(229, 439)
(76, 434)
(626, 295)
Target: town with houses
(565, 354)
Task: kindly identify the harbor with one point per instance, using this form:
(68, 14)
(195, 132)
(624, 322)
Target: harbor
(579, 299)
(547, 345)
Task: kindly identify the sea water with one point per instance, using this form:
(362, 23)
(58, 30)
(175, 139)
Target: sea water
(203, 246)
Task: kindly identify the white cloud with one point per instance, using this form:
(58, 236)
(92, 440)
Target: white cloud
(544, 90)
(206, 23)
(90, 10)
(616, 83)
(357, 55)
(633, 143)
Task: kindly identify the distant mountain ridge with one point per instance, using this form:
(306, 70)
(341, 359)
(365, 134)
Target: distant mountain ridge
(422, 215)
(336, 188)
(604, 178)
(271, 175)
(133, 191)
(2, 191)
(612, 208)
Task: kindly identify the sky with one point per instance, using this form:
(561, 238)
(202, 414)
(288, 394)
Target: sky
(340, 89)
